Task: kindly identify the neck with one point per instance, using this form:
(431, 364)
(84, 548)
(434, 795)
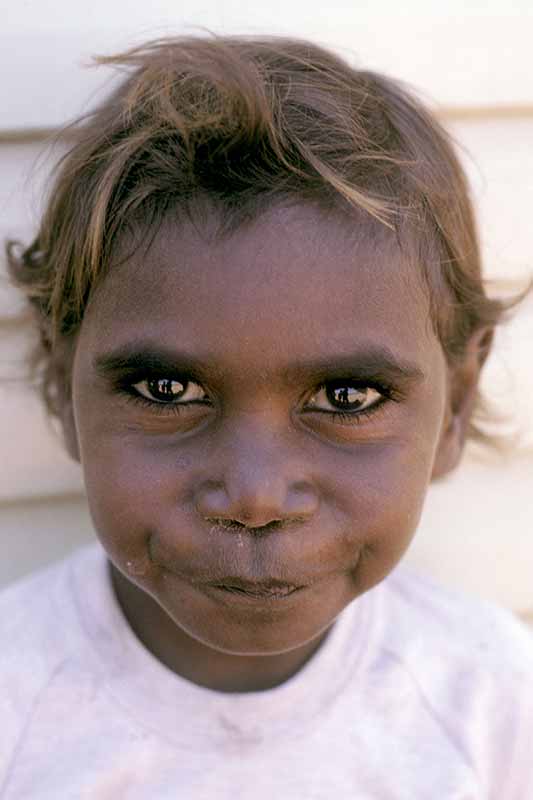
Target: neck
(195, 661)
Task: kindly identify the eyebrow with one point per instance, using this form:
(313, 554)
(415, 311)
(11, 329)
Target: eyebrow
(373, 361)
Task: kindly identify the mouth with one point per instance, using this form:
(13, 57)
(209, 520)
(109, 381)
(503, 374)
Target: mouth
(256, 590)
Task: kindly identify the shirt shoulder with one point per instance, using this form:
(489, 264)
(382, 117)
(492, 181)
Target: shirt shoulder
(475, 633)
(471, 663)
(40, 635)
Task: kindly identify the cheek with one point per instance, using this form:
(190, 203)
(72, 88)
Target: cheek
(140, 494)
(132, 491)
(383, 495)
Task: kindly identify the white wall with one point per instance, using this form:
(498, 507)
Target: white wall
(474, 67)
(459, 53)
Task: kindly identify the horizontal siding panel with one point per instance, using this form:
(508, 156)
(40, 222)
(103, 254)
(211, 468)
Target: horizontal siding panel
(474, 535)
(475, 531)
(33, 534)
(499, 159)
(32, 459)
(497, 154)
(456, 54)
(25, 168)
(36, 464)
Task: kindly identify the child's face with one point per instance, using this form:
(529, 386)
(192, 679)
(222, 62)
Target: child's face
(208, 389)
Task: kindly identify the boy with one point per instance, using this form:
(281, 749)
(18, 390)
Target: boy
(262, 324)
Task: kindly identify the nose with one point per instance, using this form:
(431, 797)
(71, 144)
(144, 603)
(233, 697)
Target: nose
(257, 478)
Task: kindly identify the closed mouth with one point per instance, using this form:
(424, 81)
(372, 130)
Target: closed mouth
(261, 590)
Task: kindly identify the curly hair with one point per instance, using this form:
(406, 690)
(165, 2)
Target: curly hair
(246, 122)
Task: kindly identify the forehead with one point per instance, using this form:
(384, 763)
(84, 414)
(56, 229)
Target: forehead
(295, 279)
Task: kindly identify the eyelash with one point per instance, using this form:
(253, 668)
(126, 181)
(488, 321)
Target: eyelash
(167, 409)
(357, 417)
(351, 417)
(340, 417)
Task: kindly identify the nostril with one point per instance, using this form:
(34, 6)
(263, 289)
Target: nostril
(228, 524)
(246, 502)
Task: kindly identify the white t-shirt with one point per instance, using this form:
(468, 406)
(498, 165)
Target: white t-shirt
(417, 693)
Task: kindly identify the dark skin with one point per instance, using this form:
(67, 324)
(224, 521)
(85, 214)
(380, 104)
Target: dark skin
(258, 417)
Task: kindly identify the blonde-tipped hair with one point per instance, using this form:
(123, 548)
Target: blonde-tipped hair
(245, 123)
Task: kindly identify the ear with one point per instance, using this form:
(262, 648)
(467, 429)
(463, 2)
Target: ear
(463, 379)
(61, 380)
(70, 433)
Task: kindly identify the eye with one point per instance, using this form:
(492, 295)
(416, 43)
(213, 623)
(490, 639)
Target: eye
(170, 391)
(345, 396)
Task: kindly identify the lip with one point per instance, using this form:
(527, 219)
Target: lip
(235, 589)
(257, 588)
